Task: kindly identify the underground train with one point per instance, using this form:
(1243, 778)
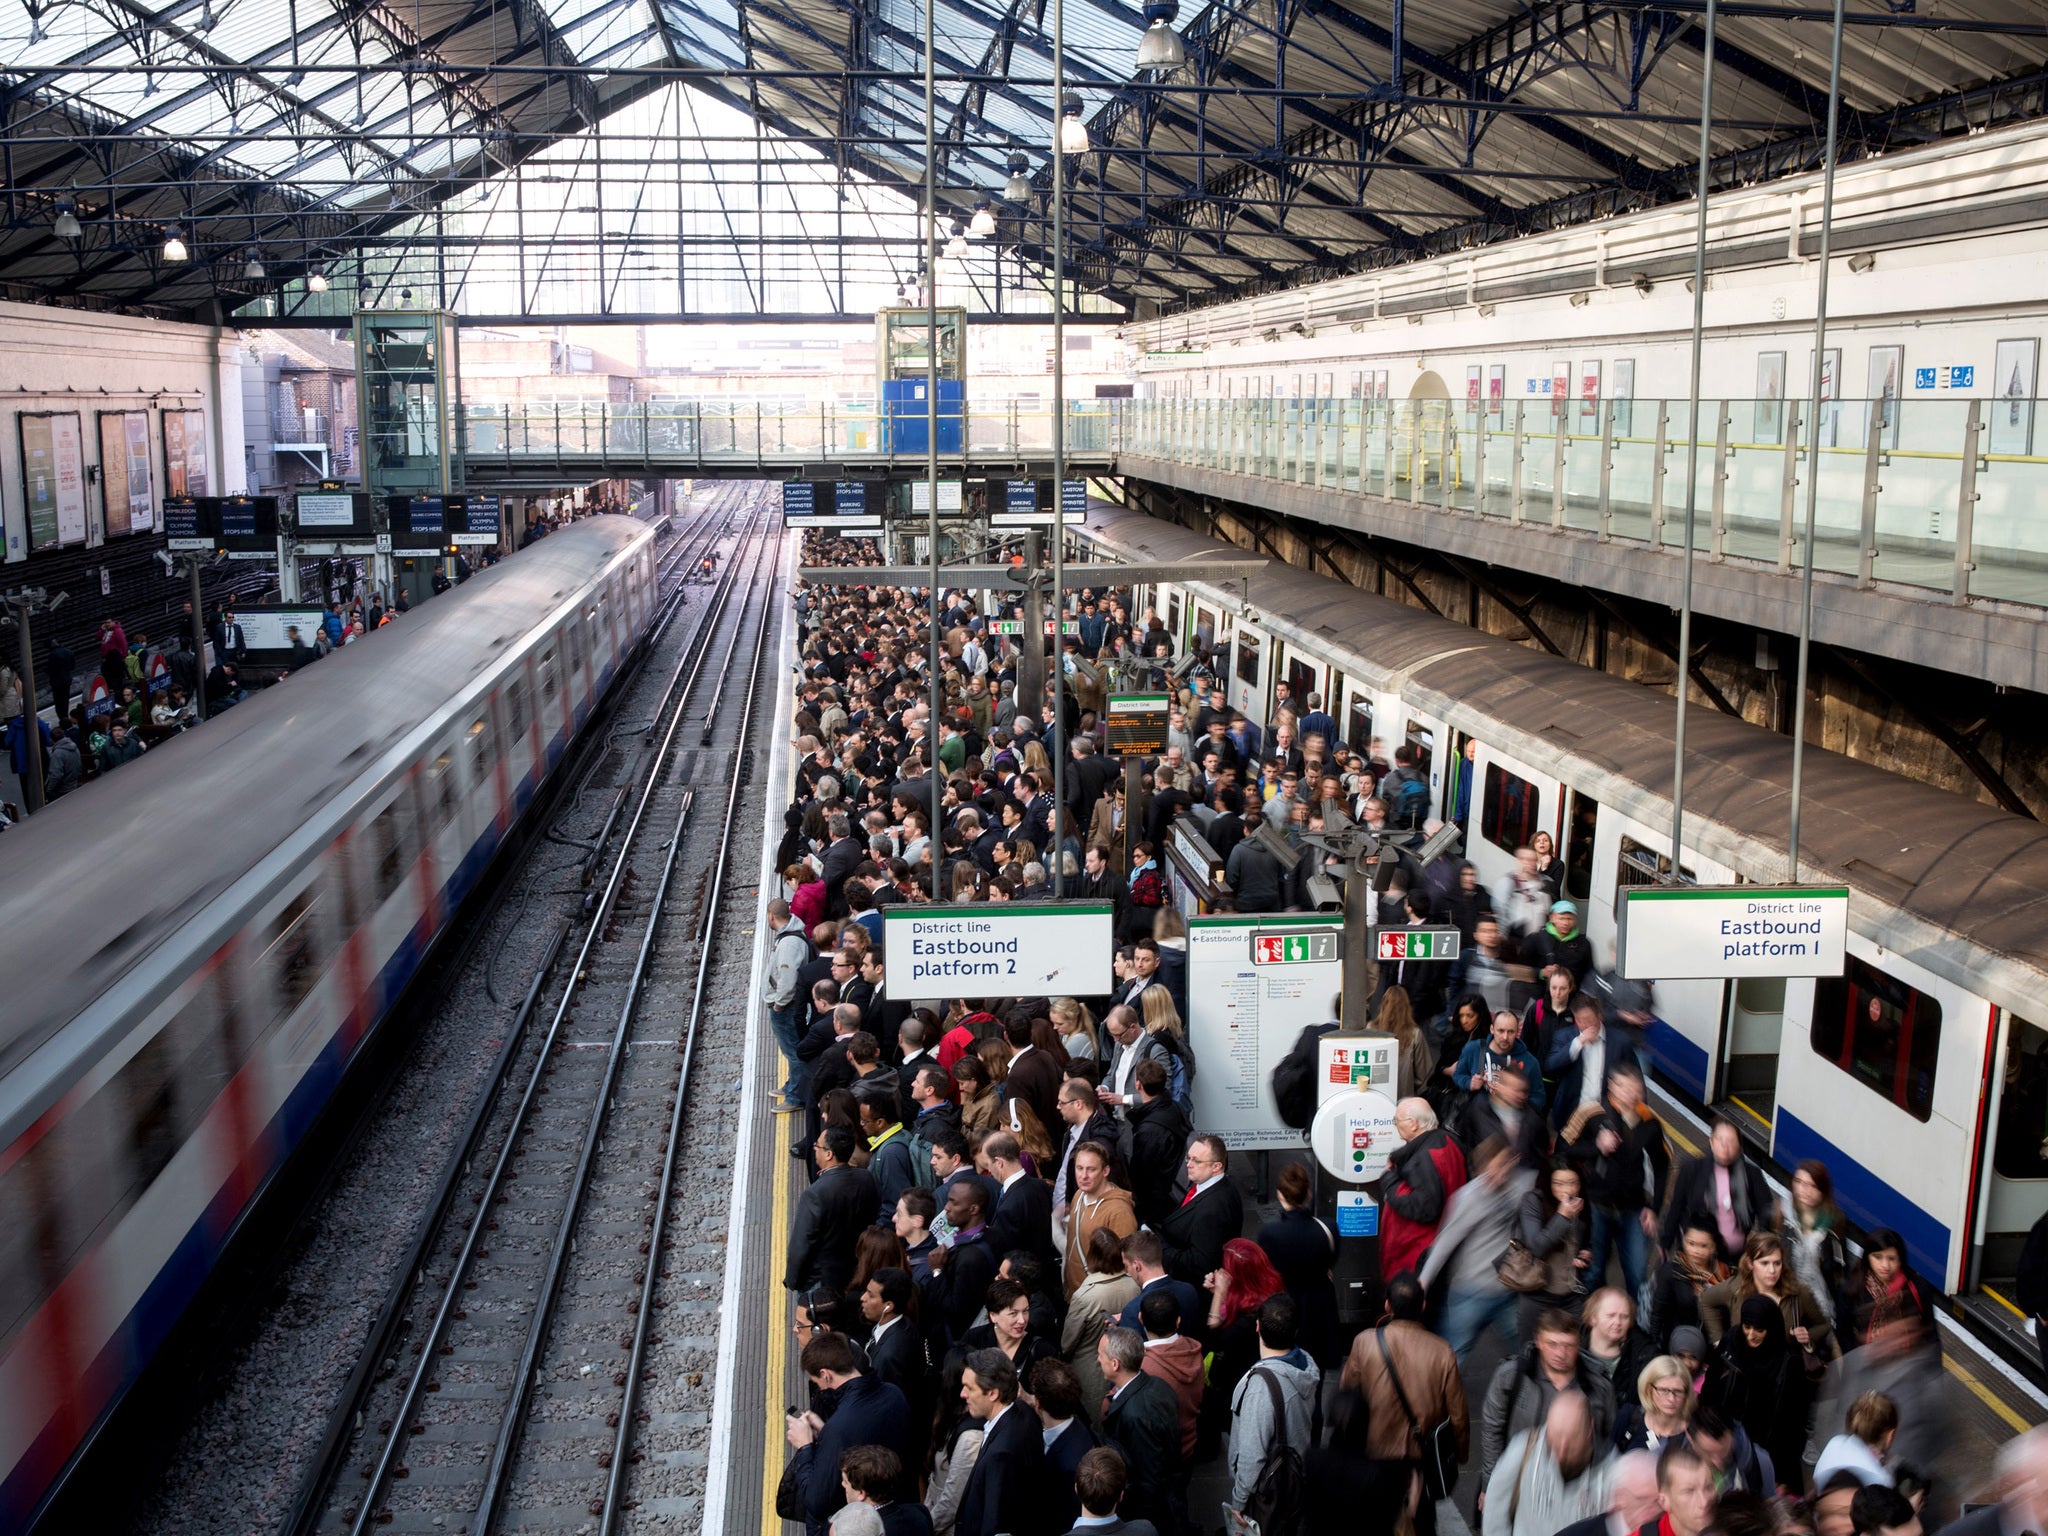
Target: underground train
(196, 949)
(1920, 1077)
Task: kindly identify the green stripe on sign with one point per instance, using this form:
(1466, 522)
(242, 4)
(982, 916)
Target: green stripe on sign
(1002, 909)
(1273, 920)
(1737, 893)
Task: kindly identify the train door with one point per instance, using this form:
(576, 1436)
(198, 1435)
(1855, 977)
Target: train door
(1304, 677)
(1688, 1036)
(2013, 1189)
(1424, 734)
(1248, 674)
(1581, 831)
(1203, 630)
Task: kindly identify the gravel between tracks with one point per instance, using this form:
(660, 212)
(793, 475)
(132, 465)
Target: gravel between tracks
(252, 1428)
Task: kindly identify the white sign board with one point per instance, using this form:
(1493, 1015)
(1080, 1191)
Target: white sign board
(326, 509)
(921, 496)
(264, 629)
(1001, 949)
(1669, 933)
(1353, 1135)
(1245, 1014)
(1345, 1062)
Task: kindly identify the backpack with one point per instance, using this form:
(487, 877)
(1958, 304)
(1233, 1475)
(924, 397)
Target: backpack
(920, 1160)
(1276, 1496)
(1149, 890)
(1410, 804)
(1180, 1069)
(1294, 1079)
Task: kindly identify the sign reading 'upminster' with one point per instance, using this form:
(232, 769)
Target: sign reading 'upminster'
(1005, 949)
(1671, 933)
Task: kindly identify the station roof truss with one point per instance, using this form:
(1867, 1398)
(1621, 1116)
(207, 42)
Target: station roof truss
(397, 146)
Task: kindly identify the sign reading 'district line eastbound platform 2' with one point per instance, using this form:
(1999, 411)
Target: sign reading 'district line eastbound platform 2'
(1014, 949)
(1674, 932)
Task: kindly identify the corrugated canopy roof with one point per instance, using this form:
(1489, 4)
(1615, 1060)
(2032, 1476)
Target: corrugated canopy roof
(1302, 137)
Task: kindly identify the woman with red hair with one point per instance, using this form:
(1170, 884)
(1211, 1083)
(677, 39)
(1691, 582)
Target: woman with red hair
(1236, 1292)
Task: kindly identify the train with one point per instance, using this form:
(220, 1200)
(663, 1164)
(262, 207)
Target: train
(198, 948)
(1919, 1076)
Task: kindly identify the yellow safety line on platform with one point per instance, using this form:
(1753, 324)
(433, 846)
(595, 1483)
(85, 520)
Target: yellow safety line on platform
(1989, 1398)
(2015, 1311)
(1761, 1120)
(1686, 1144)
(774, 1447)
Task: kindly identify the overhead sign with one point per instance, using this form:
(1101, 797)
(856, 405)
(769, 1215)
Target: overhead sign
(921, 496)
(426, 514)
(1418, 943)
(1676, 932)
(1244, 1017)
(850, 498)
(184, 528)
(326, 509)
(1028, 504)
(1137, 722)
(1019, 949)
(266, 629)
(479, 521)
(799, 498)
(1353, 1135)
(1016, 627)
(1074, 498)
(1294, 948)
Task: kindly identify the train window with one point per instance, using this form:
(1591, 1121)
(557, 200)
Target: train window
(1205, 631)
(392, 842)
(1881, 1032)
(441, 791)
(547, 671)
(145, 1099)
(2021, 1150)
(1358, 725)
(32, 1251)
(1248, 659)
(291, 951)
(1580, 835)
(341, 871)
(1511, 811)
(1640, 864)
(1173, 615)
(515, 709)
(1423, 740)
(206, 1044)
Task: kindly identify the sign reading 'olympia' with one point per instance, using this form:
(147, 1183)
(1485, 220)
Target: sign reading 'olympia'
(1676, 932)
(1004, 949)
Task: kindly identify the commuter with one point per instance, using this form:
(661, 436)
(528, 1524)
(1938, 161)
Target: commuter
(1559, 945)
(1687, 1491)
(1053, 1391)
(1482, 1063)
(956, 1447)
(1412, 1391)
(1095, 1305)
(872, 1478)
(121, 747)
(1737, 1463)
(1550, 1475)
(788, 952)
(830, 1215)
(1422, 1175)
(1614, 1345)
(916, 1209)
(66, 766)
(1004, 1492)
(1580, 1062)
(2022, 1480)
(1521, 1391)
(1159, 1132)
(1142, 1420)
(19, 735)
(60, 666)
(865, 1412)
(1273, 1406)
(113, 654)
(1813, 1237)
(1176, 1359)
(1099, 1487)
(1083, 1119)
(1023, 1213)
(1094, 1205)
(1624, 1164)
(1864, 1444)
(1724, 1192)
(1477, 1224)
(1662, 1410)
(1877, 1510)
(892, 1161)
(1690, 1268)
(1208, 1215)
(1763, 1271)
(963, 1268)
(1755, 1378)
(1881, 1290)
(1554, 1229)
(1302, 1248)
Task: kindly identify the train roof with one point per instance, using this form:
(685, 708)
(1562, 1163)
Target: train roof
(94, 884)
(1954, 884)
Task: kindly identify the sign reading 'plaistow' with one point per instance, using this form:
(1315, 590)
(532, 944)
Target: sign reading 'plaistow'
(1009, 949)
(1671, 933)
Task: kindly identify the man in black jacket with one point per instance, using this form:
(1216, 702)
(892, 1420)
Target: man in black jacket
(898, 1352)
(1159, 1138)
(1723, 1192)
(1141, 1418)
(1089, 776)
(842, 855)
(1054, 1391)
(1005, 1493)
(961, 1272)
(865, 1412)
(830, 1216)
(1212, 1213)
(1099, 1488)
(1023, 1216)
(1623, 1165)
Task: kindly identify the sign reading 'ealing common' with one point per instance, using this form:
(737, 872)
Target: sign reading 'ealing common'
(1671, 933)
(1014, 949)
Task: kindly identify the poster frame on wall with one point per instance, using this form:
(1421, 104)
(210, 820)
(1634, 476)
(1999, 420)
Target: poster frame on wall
(1560, 388)
(1769, 425)
(52, 449)
(1589, 394)
(2015, 380)
(1496, 389)
(123, 451)
(182, 475)
(1621, 390)
(1887, 382)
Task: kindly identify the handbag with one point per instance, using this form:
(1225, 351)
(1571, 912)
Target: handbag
(1438, 1443)
(1520, 1270)
(789, 1492)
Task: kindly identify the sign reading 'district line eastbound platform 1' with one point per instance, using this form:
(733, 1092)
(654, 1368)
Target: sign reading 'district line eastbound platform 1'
(1016, 949)
(1676, 932)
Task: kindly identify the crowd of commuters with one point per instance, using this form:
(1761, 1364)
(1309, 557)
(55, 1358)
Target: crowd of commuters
(1026, 1291)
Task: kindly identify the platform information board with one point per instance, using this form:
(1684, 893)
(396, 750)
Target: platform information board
(265, 629)
(1248, 1000)
(326, 509)
(1676, 932)
(1137, 722)
(478, 523)
(1017, 949)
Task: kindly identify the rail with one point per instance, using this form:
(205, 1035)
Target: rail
(1939, 494)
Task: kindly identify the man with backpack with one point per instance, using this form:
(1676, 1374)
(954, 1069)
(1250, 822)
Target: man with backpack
(1273, 1424)
(789, 951)
(1406, 791)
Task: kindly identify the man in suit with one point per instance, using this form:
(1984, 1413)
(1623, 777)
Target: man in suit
(1209, 1215)
(830, 1216)
(842, 855)
(897, 1352)
(1632, 1501)
(1055, 1392)
(1099, 1487)
(881, 1015)
(1579, 1062)
(1723, 1192)
(1005, 1493)
(1141, 1418)
(1144, 972)
(962, 1270)
(1142, 1262)
(1034, 1076)
(869, 1412)
(1089, 776)
(1023, 1217)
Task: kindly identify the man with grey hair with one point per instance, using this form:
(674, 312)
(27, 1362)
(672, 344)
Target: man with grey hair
(857, 1520)
(1549, 1476)
(1141, 1418)
(842, 856)
(788, 952)
(1422, 1175)
(2022, 1486)
(1632, 1501)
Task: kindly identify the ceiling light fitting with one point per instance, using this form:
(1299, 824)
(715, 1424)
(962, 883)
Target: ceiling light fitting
(1073, 132)
(67, 226)
(1018, 187)
(983, 224)
(1161, 47)
(254, 270)
(316, 282)
(1581, 300)
(174, 246)
(1862, 261)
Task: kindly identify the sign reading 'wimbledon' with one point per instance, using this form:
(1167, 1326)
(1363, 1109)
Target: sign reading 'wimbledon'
(1015, 949)
(1670, 933)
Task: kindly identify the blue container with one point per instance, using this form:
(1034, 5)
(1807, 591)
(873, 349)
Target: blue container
(906, 416)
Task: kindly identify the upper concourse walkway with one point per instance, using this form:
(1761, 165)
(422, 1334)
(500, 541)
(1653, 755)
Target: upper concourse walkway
(508, 443)
(1928, 545)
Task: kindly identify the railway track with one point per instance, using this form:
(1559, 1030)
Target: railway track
(501, 1393)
